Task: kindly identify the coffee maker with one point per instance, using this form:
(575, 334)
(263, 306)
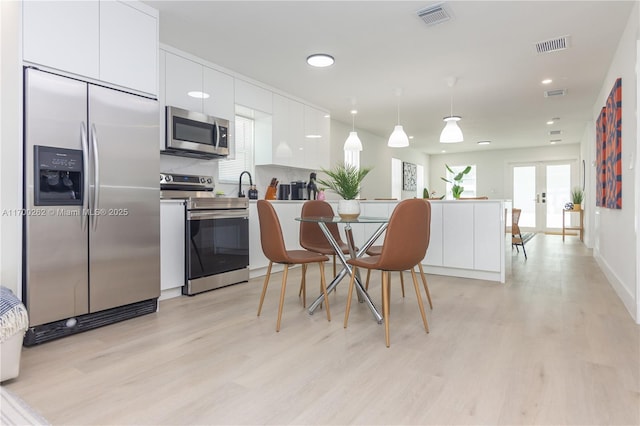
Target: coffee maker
(284, 189)
(298, 189)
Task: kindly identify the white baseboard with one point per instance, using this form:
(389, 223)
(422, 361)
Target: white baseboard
(627, 298)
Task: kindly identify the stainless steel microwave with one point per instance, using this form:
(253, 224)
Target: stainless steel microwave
(193, 134)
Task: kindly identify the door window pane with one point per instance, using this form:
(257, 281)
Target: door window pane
(558, 193)
(524, 194)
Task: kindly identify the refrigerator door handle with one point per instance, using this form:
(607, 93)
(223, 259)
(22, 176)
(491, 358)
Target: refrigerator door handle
(85, 174)
(95, 212)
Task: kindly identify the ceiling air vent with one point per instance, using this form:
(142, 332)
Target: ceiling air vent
(434, 14)
(553, 45)
(555, 132)
(556, 92)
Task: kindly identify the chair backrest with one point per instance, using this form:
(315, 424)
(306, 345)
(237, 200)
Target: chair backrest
(310, 233)
(271, 233)
(407, 236)
(515, 218)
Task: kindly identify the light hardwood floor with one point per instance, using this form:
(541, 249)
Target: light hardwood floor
(553, 346)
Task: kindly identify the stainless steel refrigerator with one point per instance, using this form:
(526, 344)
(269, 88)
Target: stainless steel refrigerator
(91, 253)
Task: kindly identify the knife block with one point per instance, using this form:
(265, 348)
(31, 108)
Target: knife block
(271, 193)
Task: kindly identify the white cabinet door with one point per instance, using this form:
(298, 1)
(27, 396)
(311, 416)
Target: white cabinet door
(219, 86)
(172, 236)
(279, 150)
(252, 96)
(435, 251)
(487, 236)
(182, 76)
(128, 47)
(296, 134)
(458, 235)
(257, 258)
(316, 133)
(62, 35)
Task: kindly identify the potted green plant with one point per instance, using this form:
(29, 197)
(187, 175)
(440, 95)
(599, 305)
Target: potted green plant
(577, 196)
(457, 189)
(345, 180)
(431, 195)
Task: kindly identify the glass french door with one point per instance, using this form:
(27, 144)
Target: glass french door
(541, 190)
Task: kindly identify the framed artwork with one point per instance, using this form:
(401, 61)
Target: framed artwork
(613, 153)
(409, 172)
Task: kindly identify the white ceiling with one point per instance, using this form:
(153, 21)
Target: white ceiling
(381, 46)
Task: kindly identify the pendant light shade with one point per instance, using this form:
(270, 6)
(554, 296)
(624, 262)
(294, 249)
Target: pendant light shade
(451, 132)
(398, 138)
(353, 141)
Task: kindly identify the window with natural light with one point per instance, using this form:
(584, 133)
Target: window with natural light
(229, 170)
(468, 181)
(352, 158)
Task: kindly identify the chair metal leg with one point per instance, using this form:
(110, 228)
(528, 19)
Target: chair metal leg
(264, 287)
(350, 295)
(424, 283)
(323, 284)
(385, 305)
(420, 304)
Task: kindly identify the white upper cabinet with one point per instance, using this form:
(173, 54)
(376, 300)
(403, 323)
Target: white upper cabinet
(220, 88)
(128, 46)
(253, 97)
(110, 41)
(182, 77)
(293, 122)
(316, 133)
(63, 35)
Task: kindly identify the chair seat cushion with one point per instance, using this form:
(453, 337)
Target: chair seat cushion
(368, 262)
(304, 256)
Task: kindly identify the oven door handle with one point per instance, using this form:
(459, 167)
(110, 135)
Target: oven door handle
(224, 214)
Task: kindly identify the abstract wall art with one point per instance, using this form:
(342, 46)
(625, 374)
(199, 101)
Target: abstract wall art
(409, 176)
(609, 151)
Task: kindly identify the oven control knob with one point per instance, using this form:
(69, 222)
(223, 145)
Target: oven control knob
(209, 180)
(202, 180)
(168, 178)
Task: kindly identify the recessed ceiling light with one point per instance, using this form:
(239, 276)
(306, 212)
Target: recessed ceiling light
(443, 151)
(550, 122)
(547, 81)
(327, 116)
(410, 137)
(198, 95)
(320, 60)
(484, 142)
(354, 111)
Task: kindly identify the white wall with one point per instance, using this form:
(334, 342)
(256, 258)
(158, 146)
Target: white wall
(375, 153)
(10, 145)
(616, 231)
(492, 166)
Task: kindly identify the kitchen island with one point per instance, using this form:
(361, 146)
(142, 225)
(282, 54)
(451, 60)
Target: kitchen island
(467, 236)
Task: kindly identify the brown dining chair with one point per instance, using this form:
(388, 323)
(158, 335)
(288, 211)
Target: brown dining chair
(405, 245)
(275, 250)
(375, 251)
(516, 234)
(312, 238)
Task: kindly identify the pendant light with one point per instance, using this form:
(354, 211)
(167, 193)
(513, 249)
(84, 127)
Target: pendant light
(398, 138)
(353, 141)
(451, 132)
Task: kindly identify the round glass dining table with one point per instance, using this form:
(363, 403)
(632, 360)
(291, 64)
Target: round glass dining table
(322, 222)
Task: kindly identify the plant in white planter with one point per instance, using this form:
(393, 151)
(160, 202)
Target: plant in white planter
(345, 180)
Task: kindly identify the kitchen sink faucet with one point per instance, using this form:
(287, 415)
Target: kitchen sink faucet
(240, 192)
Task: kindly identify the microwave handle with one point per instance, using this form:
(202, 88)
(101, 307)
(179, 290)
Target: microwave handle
(217, 134)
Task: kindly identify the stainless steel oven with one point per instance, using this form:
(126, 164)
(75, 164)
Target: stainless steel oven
(216, 234)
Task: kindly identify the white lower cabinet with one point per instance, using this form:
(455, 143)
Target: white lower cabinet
(457, 231)
(172, 246)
